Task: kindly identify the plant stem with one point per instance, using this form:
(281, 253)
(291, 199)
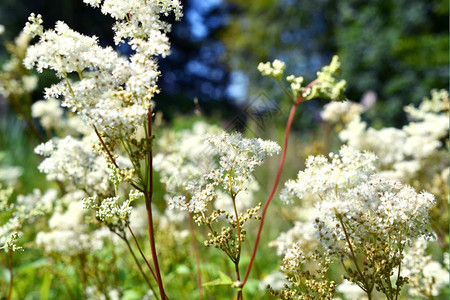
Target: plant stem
(236, 262)
(140, 251)
(111, 157)
(11, 277)
(139, 266)
(148, 203)
(275, 185)
(277, 178)
(368, 287)
(197, 261)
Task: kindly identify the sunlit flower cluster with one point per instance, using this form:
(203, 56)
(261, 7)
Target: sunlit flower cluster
(68, 235)
(73, 162)
(324, 86)
(111, 92)
(427, 277)
(404, 152)
(183, 156)
(238, 159)
(358, 214)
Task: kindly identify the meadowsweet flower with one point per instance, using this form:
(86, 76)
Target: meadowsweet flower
(303, 233)
(72, 161)
(113, 94)
(274, 69)
(414, 145)
(357, 213)
(183, 156)
(427, 277)
(416, 154)
(276, 280)
(49, 113)
(68, 233)
(346, 111)
(350, 291)
(323, 175)
(238, 158)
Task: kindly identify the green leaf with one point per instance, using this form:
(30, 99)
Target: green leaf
(222, 280)
(46, 285)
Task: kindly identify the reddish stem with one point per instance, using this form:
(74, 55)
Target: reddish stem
(277, 179)
(148, 203)
(269, 199)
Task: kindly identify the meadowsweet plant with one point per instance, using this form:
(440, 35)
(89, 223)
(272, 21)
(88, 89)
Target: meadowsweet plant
(111, 93)
(238, 159)
(416, 154)
(363, 222)
(426, 276)
(16, 214)
(359, 230)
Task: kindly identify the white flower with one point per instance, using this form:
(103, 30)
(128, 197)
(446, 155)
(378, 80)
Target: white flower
(276, 280)
(275, 69)
(335, 111)
(68, 233)
(183, 156)
(426, 276)
(49, 112)
(238, 159)
(74, 162)
(323, 175)
(351, 291)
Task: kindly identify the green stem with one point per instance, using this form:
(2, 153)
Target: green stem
(353, 256)
(197, 261)
(11, 276)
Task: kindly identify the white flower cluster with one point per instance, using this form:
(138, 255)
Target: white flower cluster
(350, 291)
(37, 202)
(69, 233)
(53, 119)
(49, 113)
(427, 277)
(321, 175)
(15, 81)
(183, 156)
(274, 69)
(8, 231)
(276, 280)
(110, 210)
(8, 174)
(25, 209)
(405, 152)
(238, 159)
(335, 112)
(302, 233)
(74, 163)
(356, 211)
(112, 93)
